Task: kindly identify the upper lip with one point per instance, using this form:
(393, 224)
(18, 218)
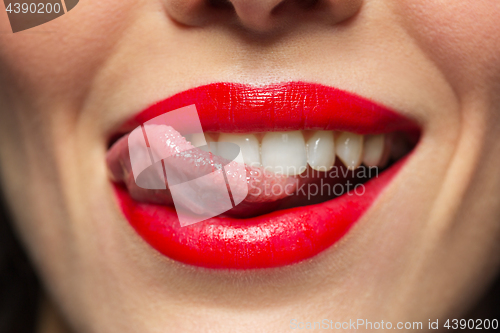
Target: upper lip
(233, 108)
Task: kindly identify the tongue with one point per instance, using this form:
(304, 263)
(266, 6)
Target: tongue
(158, 165)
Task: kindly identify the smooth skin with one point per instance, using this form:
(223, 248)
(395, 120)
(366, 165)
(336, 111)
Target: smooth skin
(427, 249)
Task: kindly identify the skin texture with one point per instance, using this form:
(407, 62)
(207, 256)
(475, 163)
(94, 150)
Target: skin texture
(428, 247)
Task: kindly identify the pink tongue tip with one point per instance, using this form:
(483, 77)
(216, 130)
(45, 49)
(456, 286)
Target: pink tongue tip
(159, 166)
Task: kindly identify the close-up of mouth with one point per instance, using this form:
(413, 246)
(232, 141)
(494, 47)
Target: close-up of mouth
(315, 159)
(249, 166)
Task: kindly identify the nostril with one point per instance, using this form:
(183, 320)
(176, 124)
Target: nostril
(261, 16)
(298, 4)
(220, 4)
(307, 4)
(280, 8)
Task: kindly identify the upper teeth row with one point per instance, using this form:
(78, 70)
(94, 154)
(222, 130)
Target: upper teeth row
(290, 152)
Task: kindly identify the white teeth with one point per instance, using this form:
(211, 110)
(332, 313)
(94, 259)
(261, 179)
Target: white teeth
(349, 148)
(284, 152)
(287, 153)
(374, 150)
(198, 139)
(210, 142)
(321, 151)
(202, 139)
(249, 145)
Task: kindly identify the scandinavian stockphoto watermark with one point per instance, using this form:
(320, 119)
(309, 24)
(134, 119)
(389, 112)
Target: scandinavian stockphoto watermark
(27, 14)
(334, 182)
(204, 185)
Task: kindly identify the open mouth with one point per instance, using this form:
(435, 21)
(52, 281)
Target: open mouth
(314, 160)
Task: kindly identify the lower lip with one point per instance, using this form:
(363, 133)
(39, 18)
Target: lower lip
(272, 240)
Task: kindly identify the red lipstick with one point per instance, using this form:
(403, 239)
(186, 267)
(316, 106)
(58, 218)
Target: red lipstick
(238, 108)
(282, 237)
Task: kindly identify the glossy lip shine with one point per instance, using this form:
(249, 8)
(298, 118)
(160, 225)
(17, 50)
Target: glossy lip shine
(281, 237)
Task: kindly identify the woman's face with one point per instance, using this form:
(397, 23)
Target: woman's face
(425, 248)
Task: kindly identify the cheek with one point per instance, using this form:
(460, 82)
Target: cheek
(461, 37)
(57, 60)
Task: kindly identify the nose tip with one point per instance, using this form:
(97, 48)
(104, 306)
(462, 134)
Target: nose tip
(262, 15)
